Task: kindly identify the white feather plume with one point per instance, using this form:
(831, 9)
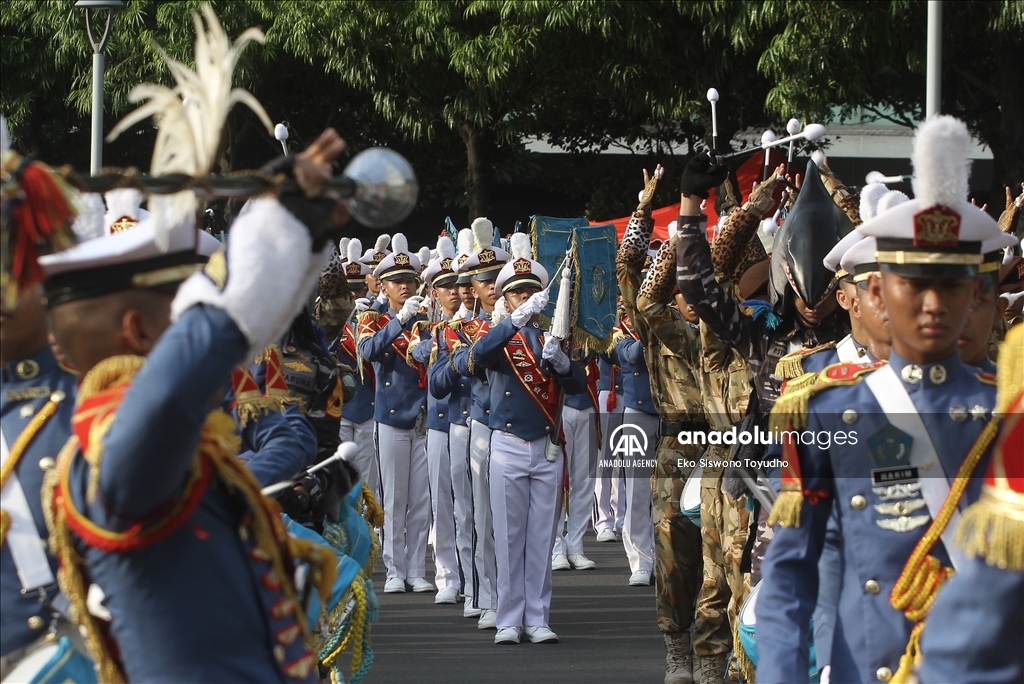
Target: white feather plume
(88, 224)
(399, 243)
(465, 241)
(869, 196)
(343, 247)
(519, 246)
(445, 247)
(483, 233)
(190, 117)
(123, 202)
(383, 240)
(424, 255)
(890, 200)
(354, 249)
(942, 165)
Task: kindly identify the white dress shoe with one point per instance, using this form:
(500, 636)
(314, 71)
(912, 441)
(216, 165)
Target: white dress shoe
(640, 578)
(469, 611)
(488, 619)
(507, 635)
(420, 585)
(447, 595)
(606, 536)
(395, 585)
(540, 635)
(580, 562)
(560, 562)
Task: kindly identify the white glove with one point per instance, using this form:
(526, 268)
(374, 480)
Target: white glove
(409, 309)
(381, 297)
(500, 313)
(531, 307)
(362, 304)
(1007, 254)
(553, 354)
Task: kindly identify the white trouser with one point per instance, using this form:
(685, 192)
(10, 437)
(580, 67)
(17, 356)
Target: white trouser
(579, 431)
(365, 458)
(406, 501)
(458, 449)
(638, 530)
(524, 494)
(484, 571)
(439, 468)
(610, 486)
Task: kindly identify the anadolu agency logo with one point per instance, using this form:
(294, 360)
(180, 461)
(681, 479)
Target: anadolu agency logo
(627, 446)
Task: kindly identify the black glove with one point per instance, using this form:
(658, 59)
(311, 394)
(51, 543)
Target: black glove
(700, 175)
(314, 213)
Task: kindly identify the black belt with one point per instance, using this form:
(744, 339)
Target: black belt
(671, 428)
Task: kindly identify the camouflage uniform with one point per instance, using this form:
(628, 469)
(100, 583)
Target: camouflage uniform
(737, 246)
(676, 395)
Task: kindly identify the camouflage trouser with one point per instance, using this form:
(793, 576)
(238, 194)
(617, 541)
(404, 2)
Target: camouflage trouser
(724, 524)
(677, 563)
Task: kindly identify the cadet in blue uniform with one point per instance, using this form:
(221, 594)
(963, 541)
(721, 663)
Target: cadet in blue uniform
(988, 312)
(609, 484)
(887, 446)
(37, 400)
(357, 413)
(440, 278)
(400, 406)
(524, 482)
(157, 498)
(481, 268)
(638, 530)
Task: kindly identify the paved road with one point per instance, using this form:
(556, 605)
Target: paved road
(606, 628)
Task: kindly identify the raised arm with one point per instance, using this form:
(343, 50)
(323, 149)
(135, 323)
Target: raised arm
(655, 306)
(629, 260)
(737, 246)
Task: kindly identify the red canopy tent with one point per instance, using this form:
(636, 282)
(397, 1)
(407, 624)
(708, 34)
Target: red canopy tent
(747, 174)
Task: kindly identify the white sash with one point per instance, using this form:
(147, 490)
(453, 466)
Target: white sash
(847, 350)
(899, 408)
(27, 548)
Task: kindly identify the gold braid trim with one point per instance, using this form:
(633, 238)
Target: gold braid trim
(451, 354)
(918, 584)
(19, 448)
(264, 354)
(792, 365)
(791, 408)
(748, 671)
(993, 528)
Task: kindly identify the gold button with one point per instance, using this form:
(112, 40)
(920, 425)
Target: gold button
(883, 674)
(46, 462)
(279, 653)
(387, 354)
(850, 416)
(36, 622)
(392, 411)
(57, 396)
(872, 586)
(508, 394)
(440, 415)
(387, 384)
(508, 425)
(859, 503)
(639, 402)
(488, 411)
(547, 428)
(465, 413)
(372, 404)
(485, 383)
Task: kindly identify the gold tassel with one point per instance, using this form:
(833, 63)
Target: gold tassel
(910, 659)
(748, 671)
(786, 511)
(790, 410)
(994, 531)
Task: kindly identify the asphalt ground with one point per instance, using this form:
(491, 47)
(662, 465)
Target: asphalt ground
(606, 629)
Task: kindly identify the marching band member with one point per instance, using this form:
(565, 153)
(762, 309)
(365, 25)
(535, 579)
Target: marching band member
(609, 484)
(524, 483)
(400, 404)
(922, 427)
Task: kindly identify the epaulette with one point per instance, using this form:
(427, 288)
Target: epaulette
(617, 336)
(792, 365)
(368, 315)
(987, 378)
(790, 410)
(454, 324)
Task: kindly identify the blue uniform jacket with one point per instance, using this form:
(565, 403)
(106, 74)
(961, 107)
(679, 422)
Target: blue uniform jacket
(480, 390)
(820, 360)
(974, 630)
(399, 399)
(359, 408)
(278, 445)
(21, 399)
(445, 381)
(437, 407)
(636, 380)
(200, 604)
(583, 400)
(514, 410)
(869, 634)
(608, 366)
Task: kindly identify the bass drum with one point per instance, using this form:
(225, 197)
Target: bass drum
(55, 662)
(689, 500)
(748, 632)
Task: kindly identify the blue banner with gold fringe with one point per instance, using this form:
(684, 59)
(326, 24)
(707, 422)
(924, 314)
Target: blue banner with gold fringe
(596, 289)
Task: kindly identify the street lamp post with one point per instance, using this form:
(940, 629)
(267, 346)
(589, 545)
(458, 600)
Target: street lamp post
(98, 65)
